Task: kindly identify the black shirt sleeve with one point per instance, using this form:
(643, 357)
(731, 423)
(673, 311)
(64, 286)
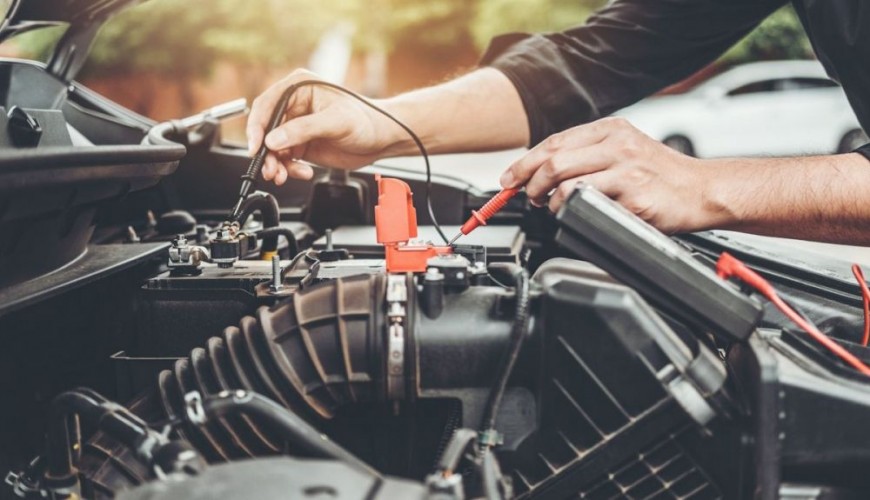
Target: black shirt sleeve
(625, 52)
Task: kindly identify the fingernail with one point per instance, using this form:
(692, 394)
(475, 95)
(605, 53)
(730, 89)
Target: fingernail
(251, 147)
(277, 139)
(300, 171)
(307, 172)
(506, 179)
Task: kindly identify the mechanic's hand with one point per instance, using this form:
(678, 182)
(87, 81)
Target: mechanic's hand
(658, 184)
(322, 126)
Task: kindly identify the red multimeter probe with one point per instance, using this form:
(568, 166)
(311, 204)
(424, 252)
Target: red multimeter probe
(479, 218)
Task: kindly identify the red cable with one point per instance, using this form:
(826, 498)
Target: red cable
(865, 294)
(728, 266)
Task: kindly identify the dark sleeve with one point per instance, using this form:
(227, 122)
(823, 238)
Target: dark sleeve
(625, 52)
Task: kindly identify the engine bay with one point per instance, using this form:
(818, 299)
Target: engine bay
(320, 345)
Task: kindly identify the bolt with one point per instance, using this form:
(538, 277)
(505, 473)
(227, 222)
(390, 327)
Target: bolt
(329, 240)
(179, 241)
(201, 234)
(276, 285)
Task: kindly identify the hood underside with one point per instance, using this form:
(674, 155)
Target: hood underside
(25, 15)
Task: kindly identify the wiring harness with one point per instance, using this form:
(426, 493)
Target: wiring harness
(729, 267)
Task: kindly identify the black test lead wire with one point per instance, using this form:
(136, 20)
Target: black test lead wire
(259, 159)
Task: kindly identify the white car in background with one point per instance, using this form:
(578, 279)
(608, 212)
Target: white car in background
(780, 108)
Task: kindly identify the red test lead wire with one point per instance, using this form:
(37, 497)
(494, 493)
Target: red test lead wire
(865, 294)
(479, 218)
(728, 266)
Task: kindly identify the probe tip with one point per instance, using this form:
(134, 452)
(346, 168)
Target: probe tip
(453, 240)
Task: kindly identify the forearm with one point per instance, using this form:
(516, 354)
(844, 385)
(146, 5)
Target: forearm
(481, 111)
(823, 198)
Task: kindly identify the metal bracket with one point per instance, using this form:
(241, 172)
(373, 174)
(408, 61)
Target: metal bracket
(186, 257)
(397, 301)
(490, 438)
(24, 488)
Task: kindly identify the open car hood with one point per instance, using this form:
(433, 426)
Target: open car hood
(83, 18)
(24, 15)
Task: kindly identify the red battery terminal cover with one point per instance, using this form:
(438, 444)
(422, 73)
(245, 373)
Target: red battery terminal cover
(396, 226)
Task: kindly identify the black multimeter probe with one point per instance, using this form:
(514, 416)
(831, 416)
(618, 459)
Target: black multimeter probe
(259, 159)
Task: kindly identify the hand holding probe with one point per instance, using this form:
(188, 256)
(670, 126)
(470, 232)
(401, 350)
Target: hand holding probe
(479, 218)
(260, 158)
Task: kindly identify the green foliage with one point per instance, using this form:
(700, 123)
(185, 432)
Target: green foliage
(385, 24)
(264, 32)
(780, 36)
(501, 16)
(185, 39)
(37, 44)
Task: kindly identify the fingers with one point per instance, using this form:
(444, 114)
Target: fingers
(264, 105)
(304, 129)
(578, 137)
(280, 169)
(566, 165)
(298, 170)
(270, 167)
(281, 175)
(606, 181)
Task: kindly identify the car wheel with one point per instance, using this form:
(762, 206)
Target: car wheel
(853, 140)
(681, 144)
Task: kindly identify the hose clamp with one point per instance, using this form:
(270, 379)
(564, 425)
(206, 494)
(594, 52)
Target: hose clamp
(194, 409)
(397, 302)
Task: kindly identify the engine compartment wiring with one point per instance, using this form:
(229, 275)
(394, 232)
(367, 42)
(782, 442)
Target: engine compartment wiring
(865, 295)
(728, 267)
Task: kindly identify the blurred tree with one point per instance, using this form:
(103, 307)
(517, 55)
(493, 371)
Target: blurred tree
(780, 36)
(185, 40)
(260, 34)
(495, 17)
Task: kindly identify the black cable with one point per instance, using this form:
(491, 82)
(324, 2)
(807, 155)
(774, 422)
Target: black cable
(266, 203)
(111, 418)
(294, 428)
(273, 232)
(452, 455)
(490, 476)
(260, 158)
(452, 422)
(518, 336)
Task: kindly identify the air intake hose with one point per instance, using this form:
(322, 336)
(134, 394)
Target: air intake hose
(312, 353)
(326, 347)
